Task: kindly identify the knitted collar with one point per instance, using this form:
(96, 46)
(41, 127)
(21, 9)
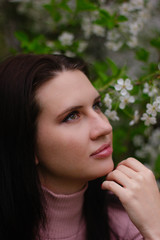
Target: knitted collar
(64, 213)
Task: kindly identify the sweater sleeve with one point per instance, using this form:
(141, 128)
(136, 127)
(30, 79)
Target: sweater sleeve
(120, 224)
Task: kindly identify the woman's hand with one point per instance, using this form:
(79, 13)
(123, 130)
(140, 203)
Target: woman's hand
(136, 187)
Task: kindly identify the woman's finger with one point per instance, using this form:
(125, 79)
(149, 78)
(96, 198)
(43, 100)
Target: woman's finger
(119, 177)
(113, 187)
(134, 164)
(127, 171)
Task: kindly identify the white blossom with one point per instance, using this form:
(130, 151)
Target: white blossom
(94, 15)
(148, 120)
(144, 15)
(102, 1)
(123, 86)
(114, 46)
(151, 91)
(57, 52)
(124, 9)
(66, 38)
(152, 109)
(132, 42)
(136, 4)
(107, 101)
(146, 88)
(135, 118)
(124, 27)
(98, 30)
(154, 139)
(157, 99)
(138, 140)
(151, 5)
(50, 44)
(124, 100)
(157, 105)
(72, 4)
(86, 26)
(82, 46)
(69, 54)
(149, 149)
(140, 153)
(135, 27)
(111, 115)
(113, 35)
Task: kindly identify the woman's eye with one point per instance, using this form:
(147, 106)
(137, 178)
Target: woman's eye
(97, 106)
(72, 116)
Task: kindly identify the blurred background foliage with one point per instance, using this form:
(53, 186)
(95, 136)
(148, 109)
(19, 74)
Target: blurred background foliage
(120, 41)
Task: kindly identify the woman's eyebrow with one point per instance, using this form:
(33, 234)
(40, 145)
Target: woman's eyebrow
(74, 108)
(70, 109)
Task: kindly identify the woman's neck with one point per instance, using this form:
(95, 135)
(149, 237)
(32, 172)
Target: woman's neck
(62, 186)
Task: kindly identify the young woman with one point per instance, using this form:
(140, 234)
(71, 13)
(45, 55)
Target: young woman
(55, 149)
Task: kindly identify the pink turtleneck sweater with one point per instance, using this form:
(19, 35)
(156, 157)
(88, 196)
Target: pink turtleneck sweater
(65, 220)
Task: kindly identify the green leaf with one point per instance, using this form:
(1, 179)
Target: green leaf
(152, 67)
(100, 66)
(52, 9)
(155, 42)
(120, 148)
(113, 66)
(85, 5)
(34, 45)
(157, 167)
(105, 19)
(21, 36)
(103, 77)
(64, 5)
(98, 83)
(122, 18)
(142, 54)
(104, 13)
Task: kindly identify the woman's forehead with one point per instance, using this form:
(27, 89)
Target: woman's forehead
(66, 87)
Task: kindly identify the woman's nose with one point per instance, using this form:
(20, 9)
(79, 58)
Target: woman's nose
(99, 126)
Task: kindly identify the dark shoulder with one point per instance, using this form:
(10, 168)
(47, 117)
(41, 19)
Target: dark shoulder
(119, 221)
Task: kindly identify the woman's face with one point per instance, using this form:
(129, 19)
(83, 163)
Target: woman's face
(74, 138)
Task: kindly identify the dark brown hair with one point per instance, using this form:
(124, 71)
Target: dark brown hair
(21, 198)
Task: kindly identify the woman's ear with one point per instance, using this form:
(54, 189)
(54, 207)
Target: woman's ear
(36, 160)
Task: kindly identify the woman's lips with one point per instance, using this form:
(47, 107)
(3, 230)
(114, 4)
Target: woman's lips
(104, 151)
